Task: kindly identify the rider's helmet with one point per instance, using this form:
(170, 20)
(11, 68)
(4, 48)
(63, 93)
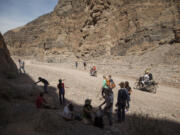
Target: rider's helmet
(147, 72)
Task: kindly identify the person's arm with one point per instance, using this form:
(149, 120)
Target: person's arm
(87, 110)
(102, 104)
(37, 82)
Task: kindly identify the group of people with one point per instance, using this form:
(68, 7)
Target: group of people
(90, 114)
(123, 99)
(84, 65)
(60, 87)
(96, 116)
(93, 71)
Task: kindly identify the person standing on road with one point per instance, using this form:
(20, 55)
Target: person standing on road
(108, 109)
(45, 82)
(21, 66)
(76, 64)
(121, 102)
(61, 92)
(84, 63)
(104, 86)
(129, 91)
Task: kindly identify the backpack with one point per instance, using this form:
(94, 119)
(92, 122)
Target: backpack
(150, 76)
(110, 83)
(113, 85)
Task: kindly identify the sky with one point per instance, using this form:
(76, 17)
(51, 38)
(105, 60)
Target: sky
(15, 13)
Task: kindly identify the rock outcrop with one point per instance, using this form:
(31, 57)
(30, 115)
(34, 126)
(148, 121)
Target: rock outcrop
(90, 29)
(7, 65)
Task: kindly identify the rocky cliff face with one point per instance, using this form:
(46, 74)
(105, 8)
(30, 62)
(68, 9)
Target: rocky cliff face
(7, 65)
(90, 29)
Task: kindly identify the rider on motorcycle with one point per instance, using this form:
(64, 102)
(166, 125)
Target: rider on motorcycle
(147, 78)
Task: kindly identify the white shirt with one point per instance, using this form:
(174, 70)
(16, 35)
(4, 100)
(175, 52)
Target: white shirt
(146, 77)
(67, 113)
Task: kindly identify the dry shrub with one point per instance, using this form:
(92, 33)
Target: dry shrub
(138, 124)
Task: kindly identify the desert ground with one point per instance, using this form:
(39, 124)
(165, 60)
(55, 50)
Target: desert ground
(80, 85)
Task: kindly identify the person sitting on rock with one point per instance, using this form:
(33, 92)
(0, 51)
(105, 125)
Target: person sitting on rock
(88, 112)
(68, 112)
(41, 102)
(98, 121)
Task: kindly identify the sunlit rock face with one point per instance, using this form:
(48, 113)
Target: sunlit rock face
(97, 28)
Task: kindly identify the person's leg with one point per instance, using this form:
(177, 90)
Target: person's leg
(119, 114)
(23, 70)
(103, 90)
(110, 118)
(60, 100)
(127, 105)
(20, 70)
(129, 102)
(45, 89)
(123, 113)
(63, 98)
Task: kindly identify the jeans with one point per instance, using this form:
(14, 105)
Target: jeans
(104, 91)
(61, 98)
(22, 70)
(128, 100)
(121, 112)
(128, 104)
(45, 88)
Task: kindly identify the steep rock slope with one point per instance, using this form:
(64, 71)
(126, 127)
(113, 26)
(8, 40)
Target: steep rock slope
(90, 29)
(7, 65)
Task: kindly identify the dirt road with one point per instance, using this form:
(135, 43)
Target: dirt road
(166, 103)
